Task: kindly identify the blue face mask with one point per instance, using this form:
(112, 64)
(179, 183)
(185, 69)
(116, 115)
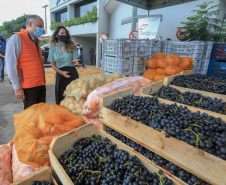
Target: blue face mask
(38, 32)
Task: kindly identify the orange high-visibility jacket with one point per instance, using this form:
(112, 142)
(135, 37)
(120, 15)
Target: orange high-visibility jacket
(30, 65)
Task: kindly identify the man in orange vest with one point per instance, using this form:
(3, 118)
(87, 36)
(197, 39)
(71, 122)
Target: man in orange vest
(24, 62)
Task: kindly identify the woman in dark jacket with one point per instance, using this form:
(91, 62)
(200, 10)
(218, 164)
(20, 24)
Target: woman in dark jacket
(91, 55)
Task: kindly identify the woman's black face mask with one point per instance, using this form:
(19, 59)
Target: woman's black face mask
(2, 39)
(62, 38)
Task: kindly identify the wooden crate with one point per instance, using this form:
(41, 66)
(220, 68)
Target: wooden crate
(169, 79)
(65, 142)
(200, 163)
(155, 87)
(44, 173)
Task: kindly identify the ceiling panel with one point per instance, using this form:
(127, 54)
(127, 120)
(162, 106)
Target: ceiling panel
(153, 4)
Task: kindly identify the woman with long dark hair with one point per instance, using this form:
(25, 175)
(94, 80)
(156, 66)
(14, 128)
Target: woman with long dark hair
(63, 57)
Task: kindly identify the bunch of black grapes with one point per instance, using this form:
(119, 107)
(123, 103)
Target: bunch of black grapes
(201, 82)
(192, 99)
(42, 183)
(158, 160)
(96, 161)
(200, 130)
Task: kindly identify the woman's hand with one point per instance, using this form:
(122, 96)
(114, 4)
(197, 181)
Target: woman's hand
(65, 74)
(76, 62)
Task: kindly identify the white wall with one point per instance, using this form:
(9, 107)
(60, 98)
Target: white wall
(171, 19)
(103, 26)
(116, 30)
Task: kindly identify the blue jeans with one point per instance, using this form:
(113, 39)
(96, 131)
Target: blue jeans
(81, 60)
(2, 65)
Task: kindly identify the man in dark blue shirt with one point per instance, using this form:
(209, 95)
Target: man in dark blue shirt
(2, 56)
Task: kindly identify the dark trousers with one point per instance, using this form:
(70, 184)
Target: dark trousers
(2, 64)
(34, 95)
(81, 61)
(91, 60)
(62, 82)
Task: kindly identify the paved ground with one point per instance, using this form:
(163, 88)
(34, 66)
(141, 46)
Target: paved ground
(9, 106)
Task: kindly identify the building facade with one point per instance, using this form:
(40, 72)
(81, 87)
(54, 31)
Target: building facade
(117, 20)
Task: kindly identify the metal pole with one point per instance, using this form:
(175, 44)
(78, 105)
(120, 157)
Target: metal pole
(45, 18)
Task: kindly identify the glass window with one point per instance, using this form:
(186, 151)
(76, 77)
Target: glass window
(63, 16)
(87, 7)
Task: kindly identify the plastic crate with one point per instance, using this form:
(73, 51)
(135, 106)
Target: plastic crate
(154, 47)
(122, 65)
(166, 47)
(118, 47)
(208, 50)
(109, 47)
(139, 64)
(219, 51)
(217, 68)
(197, 63)
(193, 49)
(141, 47)
(203, 70)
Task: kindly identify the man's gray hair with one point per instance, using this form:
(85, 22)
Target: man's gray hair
(32, 18)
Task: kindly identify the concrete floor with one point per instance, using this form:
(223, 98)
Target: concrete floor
(9, 106)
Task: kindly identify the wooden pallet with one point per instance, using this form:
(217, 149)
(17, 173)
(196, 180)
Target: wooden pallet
(65, 142)
(155, 87)
(44, 173)
(169, 79)
(200, 163)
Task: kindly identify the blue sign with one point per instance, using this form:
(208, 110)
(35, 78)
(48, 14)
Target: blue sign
(57, 2)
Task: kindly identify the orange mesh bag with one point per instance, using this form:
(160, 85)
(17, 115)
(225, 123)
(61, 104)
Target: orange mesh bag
(6, 177)
(19, 169)
(35, 128)
(91, 106)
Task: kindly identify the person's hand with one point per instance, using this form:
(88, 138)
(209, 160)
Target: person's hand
(80, 46)
(65, 74)
(19, 93)
(76, 62)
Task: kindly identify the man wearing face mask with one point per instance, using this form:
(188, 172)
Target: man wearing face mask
(24, 63)
(2, 56)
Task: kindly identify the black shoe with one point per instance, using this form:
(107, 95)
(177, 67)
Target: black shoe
(1, 80)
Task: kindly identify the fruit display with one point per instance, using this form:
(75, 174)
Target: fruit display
(81, 87)
(158, 160)
(35, 128)
(199, 130)
(96, 161)
(201, 82)
(161, 66)
(91, 106)
(42, 183)
(192, 99)
(73, 104)
(5, 165)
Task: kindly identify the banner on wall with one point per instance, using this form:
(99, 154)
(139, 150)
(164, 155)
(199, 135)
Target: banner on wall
(148, 27)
